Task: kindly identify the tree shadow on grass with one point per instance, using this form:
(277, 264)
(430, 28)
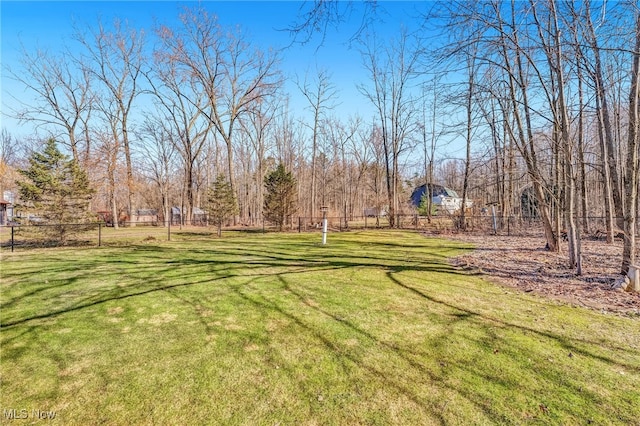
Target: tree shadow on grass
(563, 341)
(429, 375)
(195, 268)
(342, 355)
(150, 268)
(149, 276)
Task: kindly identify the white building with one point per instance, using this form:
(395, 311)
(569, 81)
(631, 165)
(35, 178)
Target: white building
(445, 200)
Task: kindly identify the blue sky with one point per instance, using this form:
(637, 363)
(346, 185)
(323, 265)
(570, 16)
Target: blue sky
(49, 25)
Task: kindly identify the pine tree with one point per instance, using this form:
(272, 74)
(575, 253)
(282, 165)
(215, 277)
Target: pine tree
(280, 197)
(423, 208)
(222, 202)
(57, 190)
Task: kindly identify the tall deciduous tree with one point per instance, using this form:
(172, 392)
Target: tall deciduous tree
(429, 138)
(108, 148)
(116, 58)
(517, 63)
(631, 182)
(159, 161)
(225, 67)
(549, 31)
(595, 68)
(319, 93)
(62, 86)
(257, 130)
(392, 71)
(179, 105)
(280, 196)
(57, 190)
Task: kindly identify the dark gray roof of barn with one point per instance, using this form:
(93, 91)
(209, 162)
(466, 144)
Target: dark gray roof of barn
(417, 193)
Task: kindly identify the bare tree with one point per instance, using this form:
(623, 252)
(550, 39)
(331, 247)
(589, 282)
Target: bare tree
(471, 70)
(222, 65)
(159, 158)
(116, 58)
(8, 151)
(321, 16)
(632, 180)
(502, 155)
(392, 71)
(361, 154)
(549, 38)
(256, 128)
(596, 71)
(584, 210)
(338, 135)
(180, 107)
(516, 63)
(376, 170)
(109, 144)
(320, 94)
(62, 87)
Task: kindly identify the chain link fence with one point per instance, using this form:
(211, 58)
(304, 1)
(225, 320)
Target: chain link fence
(13, 237)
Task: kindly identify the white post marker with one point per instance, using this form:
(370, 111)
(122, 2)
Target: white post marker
(324, 209)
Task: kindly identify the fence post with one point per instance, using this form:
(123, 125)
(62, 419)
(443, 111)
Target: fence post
(99, 234)
(493, 216)
(299, 225)
(169, 230)
(12, 238)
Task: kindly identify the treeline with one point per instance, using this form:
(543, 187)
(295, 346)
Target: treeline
(541, 95)
(557, 83)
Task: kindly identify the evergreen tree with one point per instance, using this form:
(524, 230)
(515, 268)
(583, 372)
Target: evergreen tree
(280, 196)
(423, 208)
(57, 190)
(222, 202)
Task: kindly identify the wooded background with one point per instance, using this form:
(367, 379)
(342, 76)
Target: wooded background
(541, 96)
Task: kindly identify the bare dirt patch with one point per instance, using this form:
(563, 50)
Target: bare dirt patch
(523, 263)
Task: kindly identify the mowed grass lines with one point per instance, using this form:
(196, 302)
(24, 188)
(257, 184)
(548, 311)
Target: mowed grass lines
(374, 328)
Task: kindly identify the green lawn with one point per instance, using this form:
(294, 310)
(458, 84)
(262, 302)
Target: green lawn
(374, 328)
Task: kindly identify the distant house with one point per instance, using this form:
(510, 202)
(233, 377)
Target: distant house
(199, 216)
(6, 207)
(374, 211)
(4, 204)
(445, 199)
(176, 215)
(147, 216)
(106, 216)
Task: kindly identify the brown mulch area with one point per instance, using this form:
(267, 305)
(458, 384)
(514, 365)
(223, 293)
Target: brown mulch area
(523, 263)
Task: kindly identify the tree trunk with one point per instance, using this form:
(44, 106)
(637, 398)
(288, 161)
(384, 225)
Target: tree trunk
(523, 133)
(467, 161)
(230, 168)
(581, 160)
(111, 166)
(605, 122)
(130, 182)
(606, 176)
(632, 178)
(573, 234)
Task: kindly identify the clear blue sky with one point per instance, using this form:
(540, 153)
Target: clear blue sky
(50, 24)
